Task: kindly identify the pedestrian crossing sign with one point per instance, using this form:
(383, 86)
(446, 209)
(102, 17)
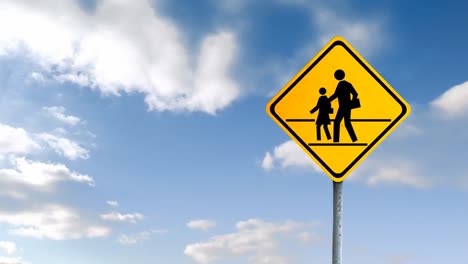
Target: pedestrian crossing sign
(338, 109)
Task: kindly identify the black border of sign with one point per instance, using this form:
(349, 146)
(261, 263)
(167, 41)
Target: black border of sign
(304, 144)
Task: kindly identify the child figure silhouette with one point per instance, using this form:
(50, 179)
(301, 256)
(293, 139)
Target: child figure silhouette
(324, 110)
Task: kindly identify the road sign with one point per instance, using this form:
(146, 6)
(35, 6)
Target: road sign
(338, 108)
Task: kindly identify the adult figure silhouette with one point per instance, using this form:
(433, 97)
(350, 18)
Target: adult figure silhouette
(344, 91)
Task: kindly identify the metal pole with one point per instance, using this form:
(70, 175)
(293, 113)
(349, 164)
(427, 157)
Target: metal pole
(337, 221)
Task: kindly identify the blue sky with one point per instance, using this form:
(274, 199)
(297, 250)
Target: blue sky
(136, 132)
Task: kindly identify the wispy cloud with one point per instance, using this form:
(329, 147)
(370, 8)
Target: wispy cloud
(42, 176)
(14, 141)
(112, 203)
(118, 217)
(139, 237)
(308, 237)
(201, 224)
(361, 32)
(51, 221)
(255, 239)
(64, 146)
(58, 112)
(392, 172)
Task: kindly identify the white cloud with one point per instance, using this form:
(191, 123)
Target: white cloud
(64, 146)
(287, 155)
(54, 222)
(139, 237)
(37, 77)
(268, 162)
(454, 102)
(19, 141)
(58, 112)
(147, 54)
(255, 239)
(118, 217)
(16, 141)
(364, 34)
(113, 203)
(41, 175)
(391, 172)
(201, 224)
(22, 178)
(402, 174)
(5, 260)
(8, 247)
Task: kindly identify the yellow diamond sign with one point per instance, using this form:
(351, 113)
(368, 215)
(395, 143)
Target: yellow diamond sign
(338, 109)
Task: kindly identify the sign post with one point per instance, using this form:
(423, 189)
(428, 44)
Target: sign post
(338, 109)
(337, 221)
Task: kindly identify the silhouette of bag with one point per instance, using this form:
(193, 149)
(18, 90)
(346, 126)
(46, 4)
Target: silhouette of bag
(330, 111)
(355, 103)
